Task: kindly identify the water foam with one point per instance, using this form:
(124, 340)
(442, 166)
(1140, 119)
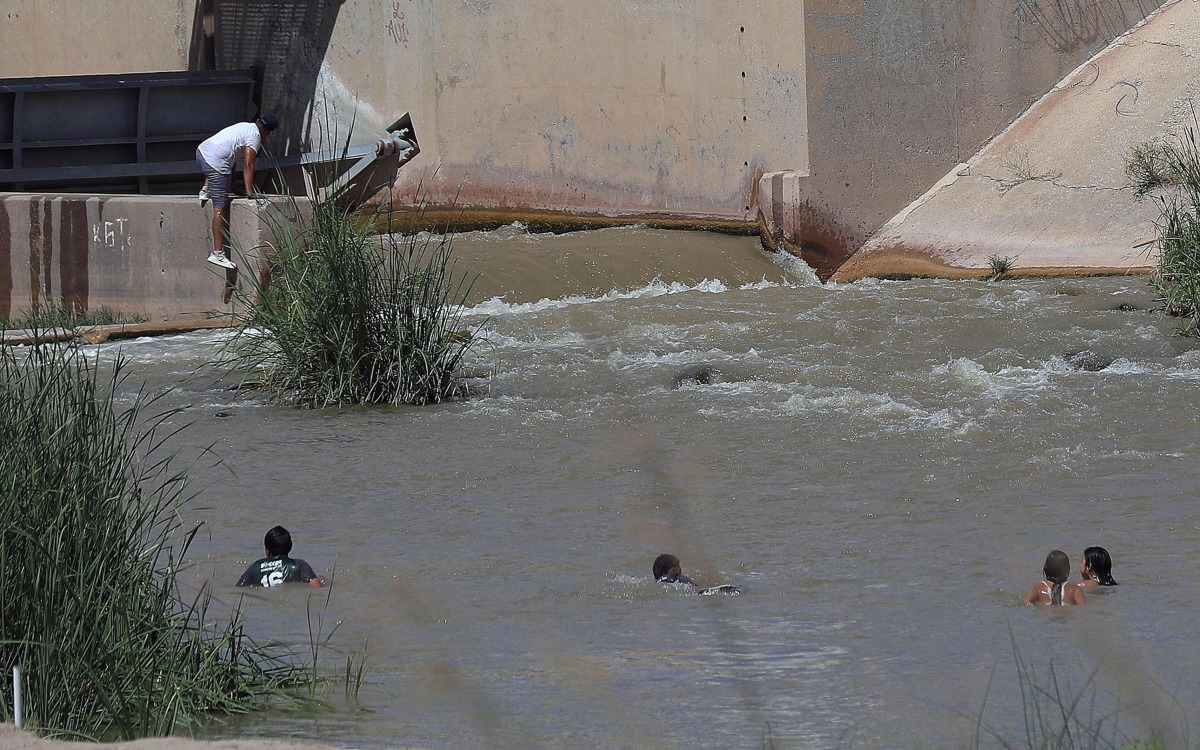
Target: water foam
(496, 306)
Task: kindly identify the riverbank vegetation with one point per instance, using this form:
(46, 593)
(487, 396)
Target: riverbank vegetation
(61, 316)
(1173, 164)
(355, 310)
(91, 543)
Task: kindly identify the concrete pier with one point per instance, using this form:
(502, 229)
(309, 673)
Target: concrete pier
(136, 255)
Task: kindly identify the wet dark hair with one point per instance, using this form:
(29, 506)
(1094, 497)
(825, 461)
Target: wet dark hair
(278, 541)
(663, 565)
(1098, 561)
(1057, 569)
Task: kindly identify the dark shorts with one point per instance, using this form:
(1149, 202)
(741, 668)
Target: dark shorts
(218, 183)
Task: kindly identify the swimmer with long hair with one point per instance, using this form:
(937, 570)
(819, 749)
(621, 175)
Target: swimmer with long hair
(1096, 568)
(1053, 590)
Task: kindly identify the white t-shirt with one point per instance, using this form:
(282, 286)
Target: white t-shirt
(223, 149)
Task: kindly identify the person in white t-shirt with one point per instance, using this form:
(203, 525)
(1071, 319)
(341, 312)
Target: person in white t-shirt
(216, 157)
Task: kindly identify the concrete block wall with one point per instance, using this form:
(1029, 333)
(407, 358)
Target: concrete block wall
(137, 255)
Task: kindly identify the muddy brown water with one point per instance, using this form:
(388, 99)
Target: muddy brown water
(880, 467)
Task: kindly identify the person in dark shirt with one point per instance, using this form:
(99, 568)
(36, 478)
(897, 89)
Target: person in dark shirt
(277, 567)
(667, 570)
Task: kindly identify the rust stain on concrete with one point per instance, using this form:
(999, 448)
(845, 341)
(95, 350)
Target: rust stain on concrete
(39, 226)
(73, 256)
(6, 280)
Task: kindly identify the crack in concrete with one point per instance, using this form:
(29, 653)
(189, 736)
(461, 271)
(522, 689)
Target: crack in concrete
(1005, 185)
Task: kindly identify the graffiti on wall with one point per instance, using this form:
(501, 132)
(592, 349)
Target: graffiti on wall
(111, 235)
(1072, 25)
(397, 25)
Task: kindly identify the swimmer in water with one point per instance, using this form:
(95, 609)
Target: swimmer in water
(1052, 590)
(668, 570)
(277, 567)
(1096, 568)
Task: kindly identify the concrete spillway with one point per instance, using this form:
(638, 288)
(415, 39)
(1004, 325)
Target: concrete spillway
(1050, 192)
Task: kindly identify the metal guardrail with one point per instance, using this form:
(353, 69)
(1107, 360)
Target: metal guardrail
(113, 133)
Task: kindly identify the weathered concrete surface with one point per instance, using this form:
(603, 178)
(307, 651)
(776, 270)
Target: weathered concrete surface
(1050, 192)
(137, 255)
(899, 92)
(64, 37)
(817, 119)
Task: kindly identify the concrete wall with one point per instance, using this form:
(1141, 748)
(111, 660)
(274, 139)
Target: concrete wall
(820, 119)
(617, 108)
(1051, 193)
(137, 255)
(63, 38)
(900, 92)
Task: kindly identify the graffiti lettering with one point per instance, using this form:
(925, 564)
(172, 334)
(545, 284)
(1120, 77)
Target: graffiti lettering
(111, 234)
(397, 25)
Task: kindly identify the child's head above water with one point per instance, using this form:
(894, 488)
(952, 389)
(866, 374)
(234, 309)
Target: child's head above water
(664, 565)
(277, 542)
(1058, 567)
(1097, 564)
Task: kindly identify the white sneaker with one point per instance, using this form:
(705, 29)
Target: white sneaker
(219, 259)
(204, 196)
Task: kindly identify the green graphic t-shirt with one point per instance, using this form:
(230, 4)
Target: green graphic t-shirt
(272, 571)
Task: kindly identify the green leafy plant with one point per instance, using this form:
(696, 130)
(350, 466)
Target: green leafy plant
(91, 543)
(355, 311)
(1000, 266)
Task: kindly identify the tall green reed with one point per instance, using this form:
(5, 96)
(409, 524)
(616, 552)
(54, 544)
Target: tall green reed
(1063, 714)
(1176, 279)
(91, 544)
(355, 309)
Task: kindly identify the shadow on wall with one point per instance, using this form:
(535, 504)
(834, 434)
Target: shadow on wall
(283, 41)
(1071, 25)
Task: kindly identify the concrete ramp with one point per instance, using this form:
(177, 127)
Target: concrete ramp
(1050, 191)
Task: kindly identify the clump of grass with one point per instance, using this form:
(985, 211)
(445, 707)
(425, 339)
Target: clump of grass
(1000, 266)
(1149, 166)
(91, 543)
(1177, 274)
(62, 316)
(351, 311)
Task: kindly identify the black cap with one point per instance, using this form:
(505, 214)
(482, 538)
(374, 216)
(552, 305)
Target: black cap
(269, 121)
